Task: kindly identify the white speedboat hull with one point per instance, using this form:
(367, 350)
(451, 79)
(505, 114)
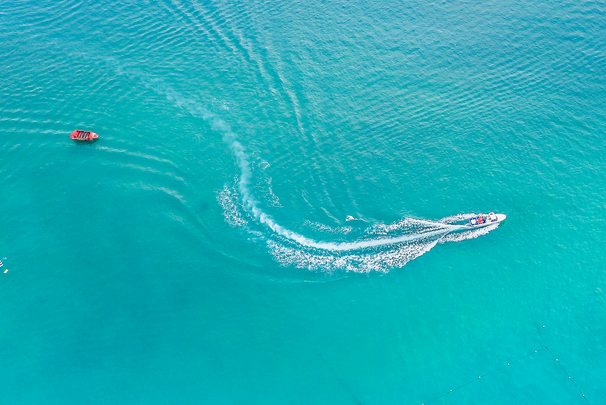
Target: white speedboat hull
(499, 218)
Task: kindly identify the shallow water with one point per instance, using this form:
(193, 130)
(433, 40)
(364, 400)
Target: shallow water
(199, 252)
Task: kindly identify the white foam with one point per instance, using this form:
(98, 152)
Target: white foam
(381, 261)
(466, 235)
(230, 208)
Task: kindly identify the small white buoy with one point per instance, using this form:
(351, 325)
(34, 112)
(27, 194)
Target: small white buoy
(507, 363)
(480, 377)
(543, 325)
(535, 351)
(556, 359)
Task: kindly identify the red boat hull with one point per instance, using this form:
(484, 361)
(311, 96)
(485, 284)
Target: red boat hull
(83, 135)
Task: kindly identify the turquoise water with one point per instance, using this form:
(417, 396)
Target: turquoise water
(199, 252)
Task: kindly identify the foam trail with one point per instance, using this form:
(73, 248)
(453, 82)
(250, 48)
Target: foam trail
(408, 246)
(346, 246)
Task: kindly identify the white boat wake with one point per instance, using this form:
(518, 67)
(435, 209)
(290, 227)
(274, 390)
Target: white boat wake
(379, 247)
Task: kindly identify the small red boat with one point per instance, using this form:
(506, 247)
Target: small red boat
(83, 135)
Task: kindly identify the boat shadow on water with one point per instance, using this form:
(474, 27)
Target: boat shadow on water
(83, 142)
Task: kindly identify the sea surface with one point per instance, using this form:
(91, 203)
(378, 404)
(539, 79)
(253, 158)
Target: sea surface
(269, 215)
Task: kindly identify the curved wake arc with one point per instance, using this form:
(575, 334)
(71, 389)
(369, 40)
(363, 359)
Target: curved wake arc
(379, 253)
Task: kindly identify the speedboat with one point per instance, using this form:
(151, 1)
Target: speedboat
(482, 220)
(83, 135)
